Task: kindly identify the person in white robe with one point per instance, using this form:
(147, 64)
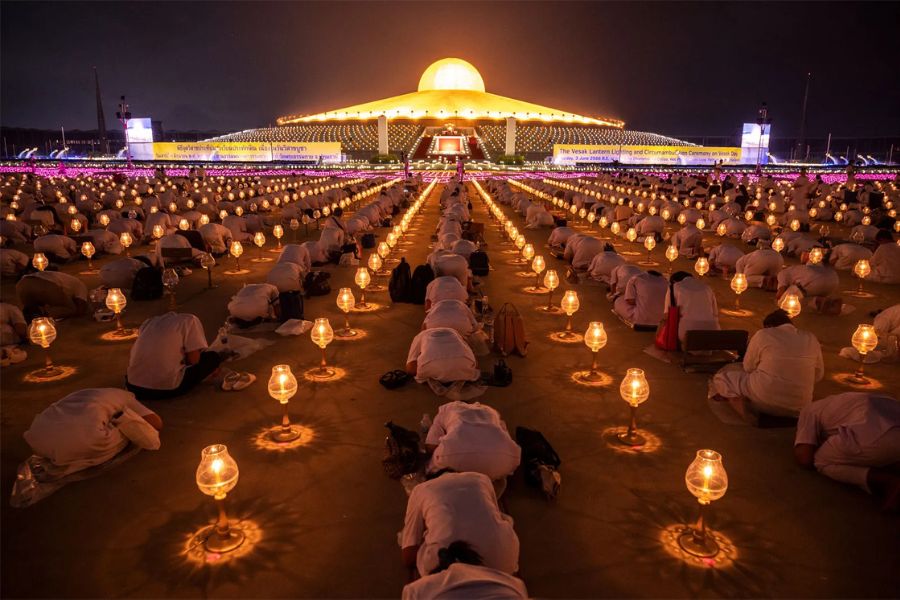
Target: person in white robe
(316, 252)
(887, 322)
(13, 328)
(120, 273)
(603, 264)
(457, 507)
(238, 227)
(724, 258)
(619, 278)
(254, 301)
(779, 371)
(456, 315)
(844, 256)
(464, 248)
(217, 237)
(817, 280)
(885, 261)
(442, 355)
(471, 437)
(464, 580)
(559, 237)
(286, 277)
(581, 250)
(444, 288)
(688, 241)
(56, 247)
(537, 216)
(854, 438)
(12, 262)
(91, 426)
(452, 265)
(758, 265)
(297, 254)
(53, 292)
(644, 299)
(697, 304)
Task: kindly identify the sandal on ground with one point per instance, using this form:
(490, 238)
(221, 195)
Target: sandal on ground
(236, 381)
(16, 355)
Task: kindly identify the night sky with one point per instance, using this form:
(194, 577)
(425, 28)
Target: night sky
(677, 69)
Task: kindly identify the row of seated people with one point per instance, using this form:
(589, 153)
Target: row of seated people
(456, 541)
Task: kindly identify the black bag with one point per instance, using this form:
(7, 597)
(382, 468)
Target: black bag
(368, 240)
(559, 221)
(316, 283)
(479, 263)
(147, 284)
(536, 452)
(401, 451)
(394, 379)
(291, 304)
(400, 283)
(387, 222)
(503, 375)
(422, 276)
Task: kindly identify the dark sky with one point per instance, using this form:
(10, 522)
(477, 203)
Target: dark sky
(678, 69)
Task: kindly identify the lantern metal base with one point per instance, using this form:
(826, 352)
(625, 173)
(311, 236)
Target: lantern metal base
(737, 312)
(591, 376)
(261, 259)
(696, 544)
(553, 310)
(857, 378)
(121, 334)
(276, 250)
(89, 272)
(629, 253)
(566, 336)
(322, 373)
(221, 543)
(648, 263)
(49, 372)
(375, 288)
(236, 271)
(346, 333)
(283, 435)
(631, 438)
(859, 294)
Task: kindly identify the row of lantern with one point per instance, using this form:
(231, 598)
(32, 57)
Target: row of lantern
(705, 478)
(217, 474)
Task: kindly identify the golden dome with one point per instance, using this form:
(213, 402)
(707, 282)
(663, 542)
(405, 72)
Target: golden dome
(451, 74)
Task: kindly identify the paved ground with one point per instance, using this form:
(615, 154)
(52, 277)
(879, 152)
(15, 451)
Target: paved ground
(325, 517)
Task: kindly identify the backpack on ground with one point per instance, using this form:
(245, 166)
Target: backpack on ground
(540, 461)
(401, 451)
(368, 240)
(400, 283)
(291, 304)
(422, 276)
(316, 283)
(479, 263)
(147, 284)
(509, 331)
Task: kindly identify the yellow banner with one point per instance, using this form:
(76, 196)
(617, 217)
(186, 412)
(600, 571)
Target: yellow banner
(248, 151)
(569, 154)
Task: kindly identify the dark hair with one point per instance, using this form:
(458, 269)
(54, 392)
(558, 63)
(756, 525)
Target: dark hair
(437, 474)
(654, 273)
(338, 212)
(884, 235)
(456, 552)
(679, 275)
(607, 247)
(775, 318)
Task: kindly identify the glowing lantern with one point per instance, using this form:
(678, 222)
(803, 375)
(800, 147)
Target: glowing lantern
(217, 474)
(738, 286)
(116, 302)
(362, 279)
(791, 304)
(184, 224)
(126, 240)
(75, 225)
(40, 261)
(236, 251)
(278, 233)
(701, 266)
(103, 220)
(861, 269)
(157, 232)
(88, 250)
(865, 340)
(345, 301)
(282, 387)
(707, 481)
(778, 244)
(815, 256)
(595, 339)
(321, 335)
(42, 332)
(538, 265)
(551, 282)
(204, 219)
(569, 304)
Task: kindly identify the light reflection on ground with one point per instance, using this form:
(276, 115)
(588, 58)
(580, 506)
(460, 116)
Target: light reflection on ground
(311, 375)
(115, 336)
(262, 441)
(59, 372)
(566, 338)
(652, 442)
(194, 551)
(369, 307)
(726, 557)
(603, 379)
(360, 334)
(844, 379)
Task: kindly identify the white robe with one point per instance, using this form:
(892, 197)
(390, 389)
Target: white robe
(443, 355)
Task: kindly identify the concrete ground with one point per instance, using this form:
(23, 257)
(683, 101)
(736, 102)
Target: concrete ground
(323, 517)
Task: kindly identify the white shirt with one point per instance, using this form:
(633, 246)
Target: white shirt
(453, 265)
(217, 236)
(847, 430)
(887, 322)
(783, 364)
(285, 276)
(459, 507)
(725, 255)
(559, 236)
(764, 261)
(815, 280)
(441, 354)
(886, 264)
(157, 356)
(60, 245)
(844, 256)
(472, 437)
(10, 316)
(585, 251)
(461, 580)
(445, 288)
(317, 252)
(89, 427)
(12, 261)
(451, 313)
(296, 254)
(253, 301)
(649, 295)
(603, 264)
(120, 272)
(697, 304)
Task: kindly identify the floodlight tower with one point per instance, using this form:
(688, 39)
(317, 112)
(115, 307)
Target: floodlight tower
(123, 115)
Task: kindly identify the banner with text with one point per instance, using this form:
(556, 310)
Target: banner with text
(326, 152)
(570, 154)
